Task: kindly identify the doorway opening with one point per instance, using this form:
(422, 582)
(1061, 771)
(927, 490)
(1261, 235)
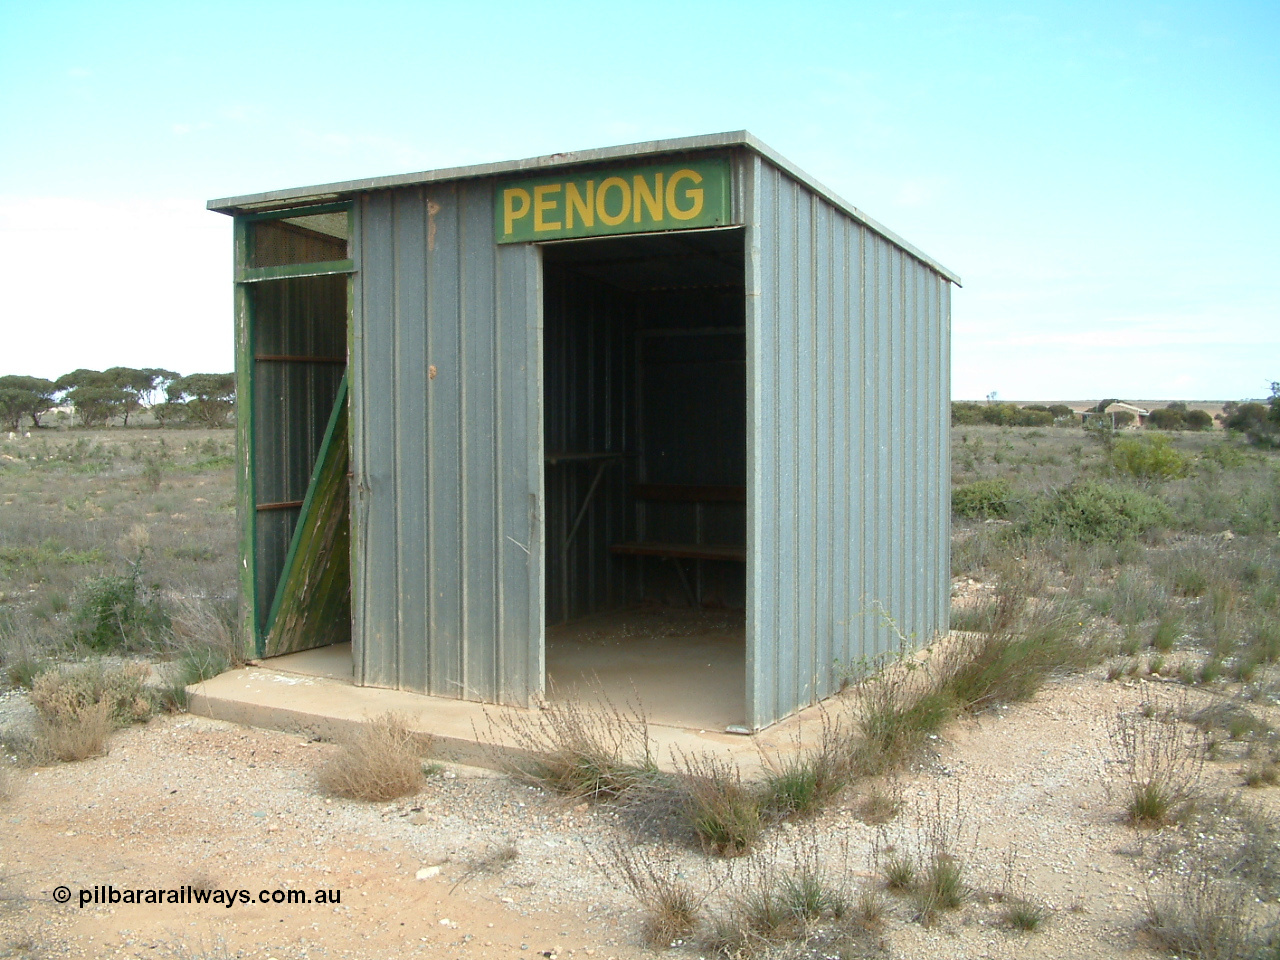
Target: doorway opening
(644, 364)
(295, 274)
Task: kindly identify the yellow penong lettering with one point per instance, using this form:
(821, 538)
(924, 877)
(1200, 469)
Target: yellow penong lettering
(693, 194)
(644, 197)
(575, 203)
(510, 214)
(624, 194)
(542, 205)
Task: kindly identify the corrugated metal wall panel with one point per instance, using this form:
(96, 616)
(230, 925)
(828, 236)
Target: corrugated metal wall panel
(447, 463)
(847, 407)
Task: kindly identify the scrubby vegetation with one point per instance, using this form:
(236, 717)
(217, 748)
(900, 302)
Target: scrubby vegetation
(1147, 553)
(116, 544)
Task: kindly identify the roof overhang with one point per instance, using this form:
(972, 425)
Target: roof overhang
(329, 192)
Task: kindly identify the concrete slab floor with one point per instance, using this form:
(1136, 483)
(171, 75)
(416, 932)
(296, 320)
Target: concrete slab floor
(685, 668)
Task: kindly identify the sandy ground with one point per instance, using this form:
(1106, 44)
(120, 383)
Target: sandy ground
(188, 801)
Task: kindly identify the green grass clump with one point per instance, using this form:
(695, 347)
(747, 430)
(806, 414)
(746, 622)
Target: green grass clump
(1011, 665)
(941, 886)
(897, 715)
(1162, 761)
(805, 779)
(1168, 629)
(808, 894)
(1091, 511)
(899, 871)
(194, 664)
(725, 814)
(1024, 915)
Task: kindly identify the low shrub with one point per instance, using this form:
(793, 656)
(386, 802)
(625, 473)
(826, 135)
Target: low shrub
(970, 413)
(1092, 511)
(982, 499)
(1150, 457)
(78, 707)
(118, 613)
(1259, 422)
(381, 760)
(64, 691)
(76, 735)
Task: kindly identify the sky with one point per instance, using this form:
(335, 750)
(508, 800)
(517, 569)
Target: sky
(1102, 176)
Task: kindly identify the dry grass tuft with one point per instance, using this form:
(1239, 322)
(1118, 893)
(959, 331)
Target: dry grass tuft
(580, 749)
(77, 708)
(1204, 917)
(75, 734)
(726, 814)
(880, 803)
(495, 859)
(382, 760)
(671, 904)
(1019, 910)
(1161, 760)
(803, 780)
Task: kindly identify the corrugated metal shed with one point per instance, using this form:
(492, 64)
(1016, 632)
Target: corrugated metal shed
(518, 410)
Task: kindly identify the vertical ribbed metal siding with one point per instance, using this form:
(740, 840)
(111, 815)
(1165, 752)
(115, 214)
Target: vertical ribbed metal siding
(848, 386)
(447, 545)
(588, 374)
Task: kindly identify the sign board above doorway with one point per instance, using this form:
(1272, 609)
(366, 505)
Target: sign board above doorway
(602, 203)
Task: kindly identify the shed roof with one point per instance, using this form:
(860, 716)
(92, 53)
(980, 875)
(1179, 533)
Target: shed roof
(739, 138)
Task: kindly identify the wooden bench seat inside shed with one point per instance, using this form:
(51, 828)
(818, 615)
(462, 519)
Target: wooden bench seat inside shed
(685, 493)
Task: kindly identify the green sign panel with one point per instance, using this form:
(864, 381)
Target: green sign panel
(601, 203)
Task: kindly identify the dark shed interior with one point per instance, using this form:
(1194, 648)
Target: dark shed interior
(644, 367)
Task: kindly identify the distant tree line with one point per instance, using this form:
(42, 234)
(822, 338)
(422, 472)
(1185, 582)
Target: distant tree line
(1258, 421)
(968, 413)
(1176, 416)
(100, 396)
